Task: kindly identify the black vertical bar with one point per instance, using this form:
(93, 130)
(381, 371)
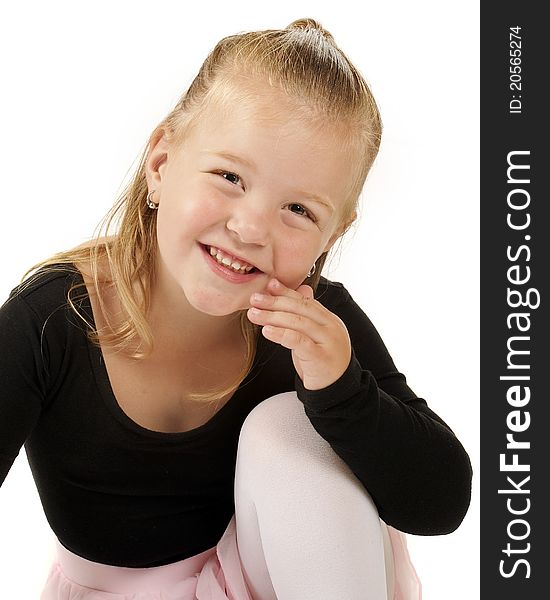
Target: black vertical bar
(515, 331)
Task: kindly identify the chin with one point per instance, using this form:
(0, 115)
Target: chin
(215, 305)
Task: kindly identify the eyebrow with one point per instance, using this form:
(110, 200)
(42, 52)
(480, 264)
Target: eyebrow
(252, 167)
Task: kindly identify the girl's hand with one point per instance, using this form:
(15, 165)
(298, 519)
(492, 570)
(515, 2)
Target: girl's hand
(318, 339)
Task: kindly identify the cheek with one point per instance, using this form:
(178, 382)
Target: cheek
(294, 259)
(300, 246)
(195, 208)
(167, 232)
(204, 201)
(208, 208)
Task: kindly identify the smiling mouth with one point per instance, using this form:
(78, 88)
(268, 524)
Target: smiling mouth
(229, 262)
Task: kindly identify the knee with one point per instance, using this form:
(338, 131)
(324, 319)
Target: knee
(272, 422)
(279, 427)
(279, 449)
(278, 407)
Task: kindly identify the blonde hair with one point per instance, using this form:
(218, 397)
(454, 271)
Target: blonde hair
(302, 61)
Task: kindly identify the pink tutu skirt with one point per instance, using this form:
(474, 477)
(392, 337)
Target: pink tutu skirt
(215, 574)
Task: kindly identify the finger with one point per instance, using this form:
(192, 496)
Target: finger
(306, 291)
(274, 286)
(292, 321)
(304, 347)
(303, 306)
(293, 301)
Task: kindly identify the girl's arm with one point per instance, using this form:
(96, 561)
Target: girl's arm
(406, 456)
(22, 379)
(415, 469)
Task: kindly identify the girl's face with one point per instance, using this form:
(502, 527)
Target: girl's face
(252, 183)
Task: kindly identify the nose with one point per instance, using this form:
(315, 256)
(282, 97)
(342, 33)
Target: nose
(250, 221)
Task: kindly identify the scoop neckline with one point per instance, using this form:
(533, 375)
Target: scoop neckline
(107, 394)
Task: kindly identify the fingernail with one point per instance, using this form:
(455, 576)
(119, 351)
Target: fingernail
(258, 297)
(275, 283)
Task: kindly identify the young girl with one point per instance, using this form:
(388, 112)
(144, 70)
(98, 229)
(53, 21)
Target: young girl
(204, 414)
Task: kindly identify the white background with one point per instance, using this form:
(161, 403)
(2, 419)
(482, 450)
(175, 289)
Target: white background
(84, 85)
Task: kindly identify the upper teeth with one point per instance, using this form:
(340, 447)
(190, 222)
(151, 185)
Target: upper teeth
(229, 262)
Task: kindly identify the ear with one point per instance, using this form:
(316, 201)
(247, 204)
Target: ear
(157, 157)
(340, 230)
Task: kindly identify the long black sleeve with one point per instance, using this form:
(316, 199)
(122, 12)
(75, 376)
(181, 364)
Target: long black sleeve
(21, 379)
(413, 466)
